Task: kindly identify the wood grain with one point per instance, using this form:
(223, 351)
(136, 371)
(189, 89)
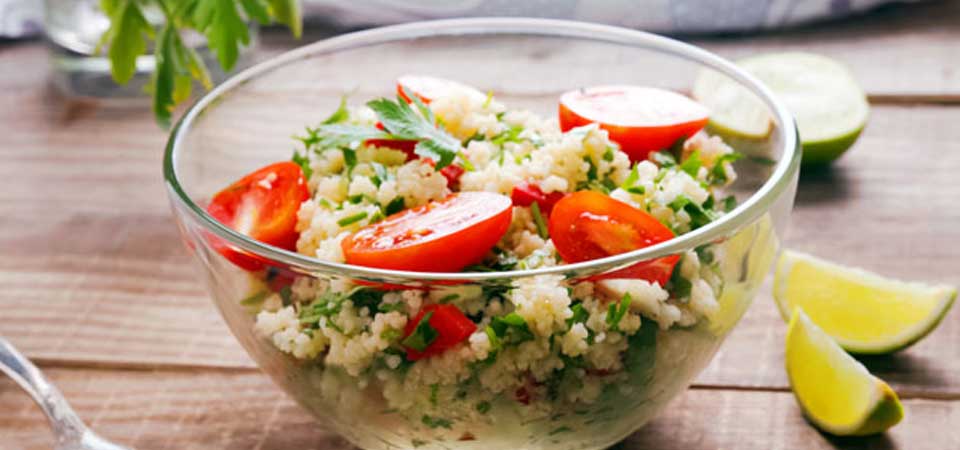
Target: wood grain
(166, 410)
(94, 275)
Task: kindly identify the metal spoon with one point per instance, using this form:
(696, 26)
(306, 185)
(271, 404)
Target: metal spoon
(69, 430)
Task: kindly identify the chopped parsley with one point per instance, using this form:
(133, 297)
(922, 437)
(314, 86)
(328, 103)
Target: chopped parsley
(483, 407)
(729, 203)
(303, 161)
(679, 286)
(380, 173)
(511, 329)
(434, 393)
(692, 164)
(617, 311)
(663, 159)
(699, 215)
(580, 315)
(340, 115)
(631, 183)
(396, 205)
(718, 175)
(538, 219)
(423, 335)
(436, 422)
(352, 219)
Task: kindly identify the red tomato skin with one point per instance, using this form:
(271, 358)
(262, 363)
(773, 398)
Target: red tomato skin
(584, 222)
(403, 146)
(636, 141)
(526, 193)
(452, 173)
(275, 193)
(407, 240)
(453, 327)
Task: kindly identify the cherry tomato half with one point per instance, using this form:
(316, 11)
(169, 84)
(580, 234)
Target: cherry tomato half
(525, 194)
(432, 88)
(452, 327)
(589, 225)
(441, 236)
(262, 205)
(641, 119)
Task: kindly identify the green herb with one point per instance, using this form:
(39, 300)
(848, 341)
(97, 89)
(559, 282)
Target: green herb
(366, 298)
(580, 315)
(436, 422)
(692, 164)
(717, 174)
(705, 253)
(511, 329)
(495, 344)
(631, 184)
(538, 219)
(511, 135)
(381, 173)
(391, 334)
(483, 407)
(220, 21)
(255, 299)
(608, 154)
(396, 205)
(402, 122)
(286, 296)
(663, 159)
(616, 312)
(729, 203)
(423, 335)
(699, 216)
(679, 286)
(340, 115)
(448, 298)
(352, 219)
(326, 305)
(339, 135)
(304, 162)
(390, 307)
(349, 158)
(434, 393)
(486, 102)
(592, 169)
(496, 289)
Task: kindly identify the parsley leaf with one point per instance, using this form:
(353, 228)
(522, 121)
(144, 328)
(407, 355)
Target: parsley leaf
(699, 216)
(631, 183)
(511, 329)
(304, 162)
(396, 205)
(402, 122)
(225, 30)
(538, 219)
(423, 335)
(692, 164)
(436, 422)
(352, 219)
(717, 174)
(616, 311)
(340, 115)
(679, 286)
(580, 315)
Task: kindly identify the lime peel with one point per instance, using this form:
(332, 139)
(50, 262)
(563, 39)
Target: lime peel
(836, 392)
(864, 312)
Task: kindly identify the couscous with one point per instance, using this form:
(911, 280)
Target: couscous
(444, 178)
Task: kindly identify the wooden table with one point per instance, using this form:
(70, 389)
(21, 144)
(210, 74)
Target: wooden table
(97, 290)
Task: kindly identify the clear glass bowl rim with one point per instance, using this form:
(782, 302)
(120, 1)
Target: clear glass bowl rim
(748, 210)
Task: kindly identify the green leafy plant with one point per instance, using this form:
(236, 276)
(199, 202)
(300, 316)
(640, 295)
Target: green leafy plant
(222, 22)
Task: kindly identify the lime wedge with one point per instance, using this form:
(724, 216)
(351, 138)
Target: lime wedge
(827, 102)
(835, 391)
(864, 312)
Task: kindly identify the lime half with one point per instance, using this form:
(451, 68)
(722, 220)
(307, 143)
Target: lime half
(828, 104)
(864, 312)
(836, 392)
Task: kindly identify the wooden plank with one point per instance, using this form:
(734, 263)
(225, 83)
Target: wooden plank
(922, 37)
(197, 410)
(888, 206)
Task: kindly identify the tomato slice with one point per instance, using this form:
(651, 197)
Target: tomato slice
(451, 325)
(589, 225)
(441, 236)
(641, 119)
(262, 205)
(404, 146)
(526, 193)
(429, 89)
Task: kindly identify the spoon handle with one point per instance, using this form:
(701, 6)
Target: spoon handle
(64, 421)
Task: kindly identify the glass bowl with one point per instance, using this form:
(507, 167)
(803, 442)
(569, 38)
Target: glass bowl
(248, 122)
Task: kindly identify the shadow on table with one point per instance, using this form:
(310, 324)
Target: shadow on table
(823, 184)
(877, 442)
